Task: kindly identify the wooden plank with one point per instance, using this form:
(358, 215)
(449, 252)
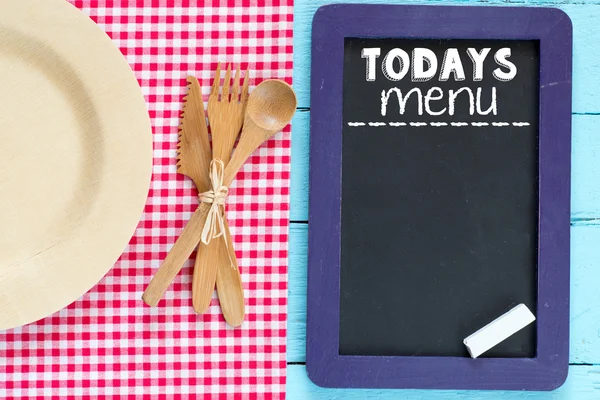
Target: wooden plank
(296, 324)
(300, 162)
(585, 169)
(585, 203)
(585, 313)
(583, 383)
(586, 68)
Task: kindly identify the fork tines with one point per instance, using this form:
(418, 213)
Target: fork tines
(228, 95)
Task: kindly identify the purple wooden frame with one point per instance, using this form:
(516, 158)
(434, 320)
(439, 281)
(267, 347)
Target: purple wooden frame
(552, 27)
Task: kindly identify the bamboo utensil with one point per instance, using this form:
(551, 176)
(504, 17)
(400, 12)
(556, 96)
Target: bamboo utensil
(193, 159)
(194, 155)
(229, 281)
(270, 108)
(226, 115)
(230, 288)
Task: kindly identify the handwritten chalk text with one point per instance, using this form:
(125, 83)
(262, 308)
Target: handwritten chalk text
(423, 65)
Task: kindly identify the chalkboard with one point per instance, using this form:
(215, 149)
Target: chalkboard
(439, 197)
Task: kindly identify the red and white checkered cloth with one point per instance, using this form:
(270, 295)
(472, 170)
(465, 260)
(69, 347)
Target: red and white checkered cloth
(108, 343)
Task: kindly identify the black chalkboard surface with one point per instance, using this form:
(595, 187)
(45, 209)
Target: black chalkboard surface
(439, 209)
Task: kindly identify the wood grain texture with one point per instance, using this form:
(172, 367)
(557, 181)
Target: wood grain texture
(226, 115)
(582, 384)
(272, 105)
(177, 256)
(229, 285)
(193, 148)
(270, 108)
(76, 152)
(229, 281)
(584, 381)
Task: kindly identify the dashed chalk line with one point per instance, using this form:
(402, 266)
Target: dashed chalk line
(439, 124)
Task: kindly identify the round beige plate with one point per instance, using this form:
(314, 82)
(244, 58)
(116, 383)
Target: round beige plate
(75, 157)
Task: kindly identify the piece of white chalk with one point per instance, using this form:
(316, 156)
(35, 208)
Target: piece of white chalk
(499, 329)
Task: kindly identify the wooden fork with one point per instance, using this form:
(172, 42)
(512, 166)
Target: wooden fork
(214, 261)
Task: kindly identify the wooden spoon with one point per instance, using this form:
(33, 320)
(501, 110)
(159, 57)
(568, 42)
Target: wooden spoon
(260, 116)
(270, 108)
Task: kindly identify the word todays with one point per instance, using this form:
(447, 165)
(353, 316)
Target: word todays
(423, 66)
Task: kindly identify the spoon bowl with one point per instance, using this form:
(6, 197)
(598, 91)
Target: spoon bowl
(272, 105)
(270, 108)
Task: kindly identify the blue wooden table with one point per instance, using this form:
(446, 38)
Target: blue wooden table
(583, 382)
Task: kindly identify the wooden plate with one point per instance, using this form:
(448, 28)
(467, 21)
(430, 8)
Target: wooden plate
(75, 157)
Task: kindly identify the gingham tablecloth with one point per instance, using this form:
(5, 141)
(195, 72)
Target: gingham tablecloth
(108, 343)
